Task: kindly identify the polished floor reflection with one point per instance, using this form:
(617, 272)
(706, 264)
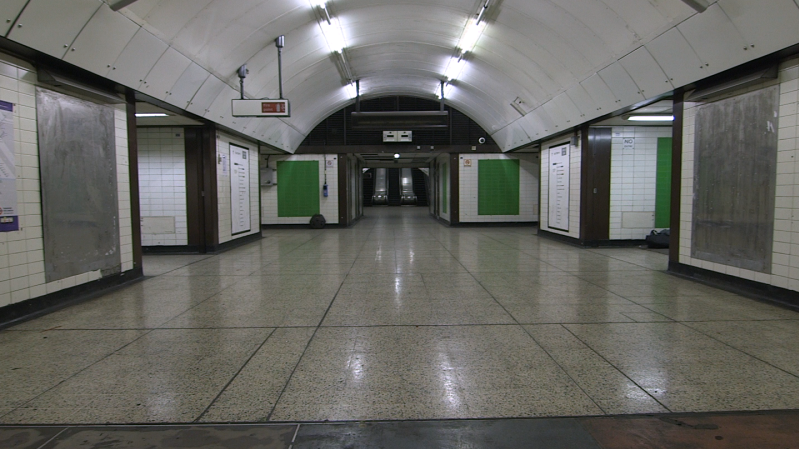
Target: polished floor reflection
(400, 318)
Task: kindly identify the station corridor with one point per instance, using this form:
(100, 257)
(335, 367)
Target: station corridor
(400, 318)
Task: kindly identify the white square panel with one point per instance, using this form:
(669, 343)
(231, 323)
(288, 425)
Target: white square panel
(9, 13)
(187, 85)
(164, 74)
(715, 39)
(676, 57)
(621, 84)
(208, 92)
(646, 73)
(137, 59)
(601, 94)
(51, 26)
(101, 41)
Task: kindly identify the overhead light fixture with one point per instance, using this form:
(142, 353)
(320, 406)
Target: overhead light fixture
(334, 36)
(651, 118)
(471, 34)
(396, 155)
(351, 90)
(152, 114)
(455, 68)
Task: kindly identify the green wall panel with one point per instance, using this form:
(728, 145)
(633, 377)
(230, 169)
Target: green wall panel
(498, 187)
(297, 188)
(663, 183)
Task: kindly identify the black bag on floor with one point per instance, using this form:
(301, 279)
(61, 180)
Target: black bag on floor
(659, 239)
(318, 221)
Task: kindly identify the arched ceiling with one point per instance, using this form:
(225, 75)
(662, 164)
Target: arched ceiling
(569, 61)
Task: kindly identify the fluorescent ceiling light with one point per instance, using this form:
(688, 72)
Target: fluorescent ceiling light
(352, 92)
(455, 68)
(333, 34)
(152, 114)
(651, 118)
(471, 34)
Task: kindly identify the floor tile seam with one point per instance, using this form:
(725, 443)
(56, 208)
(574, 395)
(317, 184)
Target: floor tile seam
(616, 368)
(574, 381)
(246, 362)
(184, 266)
(523, 329)
(78, 372)
(667, 319)
(310, 340)
(740, 350)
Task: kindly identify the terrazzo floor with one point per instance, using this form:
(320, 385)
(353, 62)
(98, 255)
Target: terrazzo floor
(400, 318)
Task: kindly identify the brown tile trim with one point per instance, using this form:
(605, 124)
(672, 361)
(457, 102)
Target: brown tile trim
(195, 208)
(676, 175)
(343, 194)
(133, 174)
(455, 188)
(209, 187)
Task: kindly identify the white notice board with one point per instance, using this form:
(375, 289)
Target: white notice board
(559, 189)
(239, 189)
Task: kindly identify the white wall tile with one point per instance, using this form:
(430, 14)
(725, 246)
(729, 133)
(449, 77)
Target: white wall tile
(21, 254)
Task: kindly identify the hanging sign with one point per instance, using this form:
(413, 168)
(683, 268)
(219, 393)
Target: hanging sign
(9, 219)
(261, 108)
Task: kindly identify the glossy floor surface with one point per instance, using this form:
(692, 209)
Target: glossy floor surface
(400, 318)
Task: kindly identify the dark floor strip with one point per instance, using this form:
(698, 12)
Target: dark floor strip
(745, 430)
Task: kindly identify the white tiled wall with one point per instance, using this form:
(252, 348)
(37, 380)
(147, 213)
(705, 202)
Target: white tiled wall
(21, 252)
(575, 164)
(785, 256)
(529, 170)
(327, 207)
(633, 178)
(444, 176)
(162, 182)
(223, 142)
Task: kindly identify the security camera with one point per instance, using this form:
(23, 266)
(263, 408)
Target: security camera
(481, 140)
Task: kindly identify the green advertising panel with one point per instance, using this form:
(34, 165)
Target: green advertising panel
(297, 188)
(663, 183)
(498, 187)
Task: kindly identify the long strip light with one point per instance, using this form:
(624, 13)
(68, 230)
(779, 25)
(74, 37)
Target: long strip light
(151, 114)
(471, 34)
(334, 36)
(651, 118)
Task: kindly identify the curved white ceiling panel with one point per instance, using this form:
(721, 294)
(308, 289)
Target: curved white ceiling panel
(11, 9)
(51, 27)
(137, 59)
(101, 41)
(568, 61)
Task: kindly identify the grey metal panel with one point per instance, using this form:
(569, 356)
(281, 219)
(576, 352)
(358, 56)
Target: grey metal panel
(735, 170)
(77, 156)
(9, 13)
(380, 195)
(51, 26)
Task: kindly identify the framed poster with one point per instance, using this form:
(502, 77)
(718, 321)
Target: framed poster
(559, 187)
(9, 220)
(239, 189)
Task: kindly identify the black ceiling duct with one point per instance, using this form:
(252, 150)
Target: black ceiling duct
(405, 120)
